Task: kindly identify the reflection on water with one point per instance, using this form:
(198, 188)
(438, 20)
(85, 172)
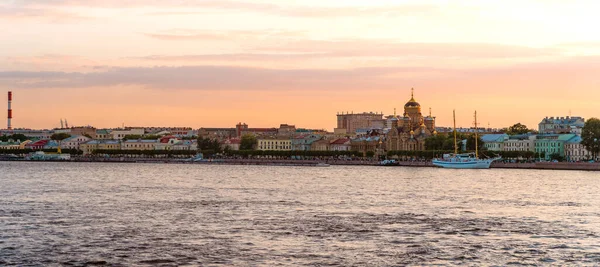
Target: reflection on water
(168, 215)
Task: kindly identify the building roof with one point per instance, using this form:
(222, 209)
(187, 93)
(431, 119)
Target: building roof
(39, 143)
(98, 142)
(74, 137)
(573, 121)
(554, 137)
(140, 141)
(575, 140)
(566, 137)
(103, 131)
(340, 141)
(489, 138)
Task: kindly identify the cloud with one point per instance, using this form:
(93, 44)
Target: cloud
(46, 14)
(365, 47)
(361, 48)
(248, 6)
(189, 34)
(207, 78)
(568, 73)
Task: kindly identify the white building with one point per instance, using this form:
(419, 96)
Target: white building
(74, 142)
(575, 151)
(494, 142)
(525, 142)
(276, 144)
(561, 125)
(139, 144)
(342, 144)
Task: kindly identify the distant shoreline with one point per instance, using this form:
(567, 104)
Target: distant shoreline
(279, 162)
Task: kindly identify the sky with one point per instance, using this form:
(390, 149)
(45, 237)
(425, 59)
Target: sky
(214, 63)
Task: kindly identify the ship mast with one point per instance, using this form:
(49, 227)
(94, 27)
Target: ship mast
(476, 130)
(454, 117)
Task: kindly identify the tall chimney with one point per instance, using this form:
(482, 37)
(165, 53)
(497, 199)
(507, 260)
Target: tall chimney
(9, 126)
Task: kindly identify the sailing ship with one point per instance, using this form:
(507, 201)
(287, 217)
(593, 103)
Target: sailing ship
(465, 160)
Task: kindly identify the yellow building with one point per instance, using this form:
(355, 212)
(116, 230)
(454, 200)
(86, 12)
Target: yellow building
(89, 147)
(320, 145)
(139, 144)
(276, 144)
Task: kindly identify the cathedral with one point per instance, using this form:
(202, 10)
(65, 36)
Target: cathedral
(409, 132)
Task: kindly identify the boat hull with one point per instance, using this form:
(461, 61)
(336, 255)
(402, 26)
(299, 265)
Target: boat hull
(479, 164)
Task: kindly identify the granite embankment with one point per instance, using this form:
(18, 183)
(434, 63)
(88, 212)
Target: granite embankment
(288, 162)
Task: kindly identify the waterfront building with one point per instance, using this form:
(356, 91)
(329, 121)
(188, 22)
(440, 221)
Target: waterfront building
(275, 144)
(73, 142)
(561, 125)
(185, 145)
(231, 144)
(304, 142)
(320, 145)
(522, 142)
(341, 144)
(552, 144)
(348, 123)
(11, 144)
(575, 151)
(494, 142)
(366, 144)
(37, 145)
(51, 144)
(410, 131)
(89, 146)
(174, 143)
(139, 144)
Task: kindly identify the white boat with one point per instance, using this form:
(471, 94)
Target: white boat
(321, 164)
(463, 161)
(466, 160)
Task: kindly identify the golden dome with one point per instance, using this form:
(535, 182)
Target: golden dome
(412, 103)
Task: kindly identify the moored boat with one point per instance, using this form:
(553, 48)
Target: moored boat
(389, 162)
(466, 160)
(321, 164)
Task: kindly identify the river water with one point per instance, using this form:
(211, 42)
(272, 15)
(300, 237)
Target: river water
(180, 214)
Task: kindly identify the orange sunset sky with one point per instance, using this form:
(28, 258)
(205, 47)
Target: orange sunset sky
(213, 63)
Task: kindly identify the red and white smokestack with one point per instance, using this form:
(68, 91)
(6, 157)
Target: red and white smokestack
(9, 126)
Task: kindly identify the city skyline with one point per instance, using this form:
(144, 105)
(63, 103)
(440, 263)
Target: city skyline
(217, 63)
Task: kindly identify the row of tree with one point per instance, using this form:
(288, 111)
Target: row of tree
(446, 142)
(590, 136)
(27, 151)
(14, 137)
(113, 152)
(246, 153)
